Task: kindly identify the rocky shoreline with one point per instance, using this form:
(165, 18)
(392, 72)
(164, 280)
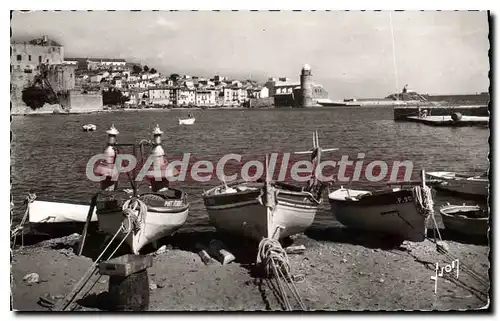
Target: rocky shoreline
(339, 271)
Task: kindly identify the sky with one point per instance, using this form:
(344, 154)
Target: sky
(353, 54)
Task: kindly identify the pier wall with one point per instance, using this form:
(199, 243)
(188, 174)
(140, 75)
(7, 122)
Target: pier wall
(285, 100)
(261, 102)
(20, 108)
(400, 113)
(70, 101)
(85, 103)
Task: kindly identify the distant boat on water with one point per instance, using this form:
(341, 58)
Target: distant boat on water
(345, 103)
(187, 121)
(89, 128)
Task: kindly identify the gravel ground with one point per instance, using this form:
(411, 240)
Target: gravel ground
(338, 271)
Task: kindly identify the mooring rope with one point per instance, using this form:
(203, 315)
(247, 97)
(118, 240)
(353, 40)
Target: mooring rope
(423, 197)
(127, 231)
(64, 303)
(138, 220)
(425, 203)
(29, 199)
(273, 258)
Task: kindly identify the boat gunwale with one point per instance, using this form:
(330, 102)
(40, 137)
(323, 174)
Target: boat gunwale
(281, 187)
(369, 199)
(61, 201)
(463, 217)
(457, 177)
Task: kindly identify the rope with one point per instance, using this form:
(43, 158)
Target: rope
(90, 272)
(109, 257)
(275, 262)
(29, 199)
(423, 198)
(137, 220)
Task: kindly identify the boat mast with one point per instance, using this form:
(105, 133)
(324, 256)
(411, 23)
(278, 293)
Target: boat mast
(394, 56)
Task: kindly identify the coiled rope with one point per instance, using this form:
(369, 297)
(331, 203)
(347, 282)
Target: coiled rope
(423, 197)
(137, 219)
(274, 260)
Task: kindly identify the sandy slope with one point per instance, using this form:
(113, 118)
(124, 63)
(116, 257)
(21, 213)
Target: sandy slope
(341, 271)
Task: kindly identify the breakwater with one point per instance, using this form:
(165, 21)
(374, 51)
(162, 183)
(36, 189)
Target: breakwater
(402, 112)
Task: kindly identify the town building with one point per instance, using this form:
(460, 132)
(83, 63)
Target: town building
(234, 96)
(259, 92)
(39, 64)
(186, 97)
(159, 96)
(105, 64)
(206, 97)
(305, 93)
(29, 55)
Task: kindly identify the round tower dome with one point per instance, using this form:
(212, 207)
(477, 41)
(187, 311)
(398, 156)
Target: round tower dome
(306, 67)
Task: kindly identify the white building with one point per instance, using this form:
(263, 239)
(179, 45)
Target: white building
(262, 92)
(186, 97)
(105, 63)
(234, 96)
(206, 98)
(159, 96)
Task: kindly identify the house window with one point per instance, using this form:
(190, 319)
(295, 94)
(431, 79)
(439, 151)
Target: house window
(39, 59)
(29, 57)
(19, 58)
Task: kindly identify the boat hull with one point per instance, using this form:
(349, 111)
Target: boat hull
(166, 212)
(156, 227)
(393, 213)
(189, 121)
(463, 224)
(41, 212)
(246, 214)
(474, 187)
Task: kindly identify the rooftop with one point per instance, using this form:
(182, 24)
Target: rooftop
(42, 41)
(106, 59)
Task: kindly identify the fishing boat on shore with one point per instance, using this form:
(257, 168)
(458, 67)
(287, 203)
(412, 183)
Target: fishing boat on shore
(51, 216)
(187, 121)
(401, 212)
(58, 211)
(462, 184)
(146, 218)
(141, 217)
(465, 219)
(270, 209)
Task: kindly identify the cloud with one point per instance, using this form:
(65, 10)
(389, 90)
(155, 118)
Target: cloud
(168, 24)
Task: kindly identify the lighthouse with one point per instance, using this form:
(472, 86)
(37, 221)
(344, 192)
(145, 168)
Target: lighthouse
(306, 86)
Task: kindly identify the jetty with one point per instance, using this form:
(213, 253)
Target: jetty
(449, 121)
(408, 113)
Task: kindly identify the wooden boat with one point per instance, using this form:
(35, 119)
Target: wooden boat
(53, 211)
(391, 211)
(462, 184)
(270, 209)
(52, 218)
(89, 127)
(142, 217)
(157, 215)
(465, 219)
(243, 208)
(187, 121)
